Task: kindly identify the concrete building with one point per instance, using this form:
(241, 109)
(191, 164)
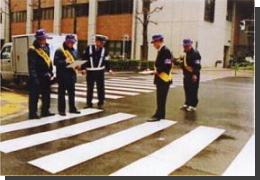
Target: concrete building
(212, 24)
(4, 22)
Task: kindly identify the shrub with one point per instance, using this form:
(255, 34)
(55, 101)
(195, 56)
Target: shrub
(131, 65)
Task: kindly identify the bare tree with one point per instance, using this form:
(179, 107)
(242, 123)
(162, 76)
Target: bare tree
(144, 18)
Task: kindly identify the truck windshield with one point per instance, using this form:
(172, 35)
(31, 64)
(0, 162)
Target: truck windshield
(6, 52)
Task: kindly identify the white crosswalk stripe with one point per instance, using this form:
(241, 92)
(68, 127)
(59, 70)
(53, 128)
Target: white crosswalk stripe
(169, 158)
(172, 156)
(60, 161)
(107, 91)
(48, 120)
(83, 94)
(121, 87)
(244, 163)
(77, 99)
(69, 131)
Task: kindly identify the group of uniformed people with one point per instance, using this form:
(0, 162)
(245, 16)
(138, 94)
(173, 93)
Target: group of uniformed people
(96, 58)
(191, 65)
(41, 73)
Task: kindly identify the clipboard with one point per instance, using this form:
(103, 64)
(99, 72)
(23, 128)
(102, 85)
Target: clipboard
(76, 63)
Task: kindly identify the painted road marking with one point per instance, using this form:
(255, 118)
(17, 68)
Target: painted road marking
(60, 161)
(69, 131)
(244, 163)
(107, 91)
(133, 82)
(130, 86)
(120, 88)
(84, 94)
(48, 120)
(77, 99)
(173, 156)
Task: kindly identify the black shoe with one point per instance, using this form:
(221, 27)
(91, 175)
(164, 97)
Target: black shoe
(48, 114)
(31, 117)
(154, 119)
(75, 112)
(62, 113)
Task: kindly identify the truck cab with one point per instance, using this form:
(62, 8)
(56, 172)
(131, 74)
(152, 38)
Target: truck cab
(6, 62)
(14, 61)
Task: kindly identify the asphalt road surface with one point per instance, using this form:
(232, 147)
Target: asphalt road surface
(118, 141)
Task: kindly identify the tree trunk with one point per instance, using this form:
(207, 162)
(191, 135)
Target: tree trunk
(75, 17)
(10, 21)
(145, 43)
(39, 14)
(146, 10)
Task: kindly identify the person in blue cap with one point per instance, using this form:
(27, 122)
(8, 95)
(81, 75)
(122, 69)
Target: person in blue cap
(40, 75)
(191, 69)
(97, 61)
(67, 77)
(163, 76)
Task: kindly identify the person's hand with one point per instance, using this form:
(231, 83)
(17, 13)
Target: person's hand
(67, 61)
(83, 72)
(78, 68)
(111, 72)
(194, 78)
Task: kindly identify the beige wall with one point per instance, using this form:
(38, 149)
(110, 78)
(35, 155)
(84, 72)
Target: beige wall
(185, 19)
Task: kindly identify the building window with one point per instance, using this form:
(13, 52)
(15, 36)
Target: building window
(48, 13)
(230, 5)
(19, 16)
(109, 7)
(115, 49)
(43, 14)
(209, 10)
(82, 10)
(68, 11)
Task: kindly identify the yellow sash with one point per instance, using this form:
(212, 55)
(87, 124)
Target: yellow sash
(68, 55)
(166, 77)
(188, 68)
(44, 55)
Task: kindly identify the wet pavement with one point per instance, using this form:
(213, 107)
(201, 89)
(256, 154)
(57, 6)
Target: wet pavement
(226, 103)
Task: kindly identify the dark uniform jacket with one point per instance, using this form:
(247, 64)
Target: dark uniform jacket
(39, 71)
(163, 64)
(193, 60)
(65, 74)
(96, 56)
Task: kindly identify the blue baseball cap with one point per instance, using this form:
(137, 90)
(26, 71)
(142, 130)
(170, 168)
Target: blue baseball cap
(41, 34)
(187, 42)
(71, 38)
(157, 37)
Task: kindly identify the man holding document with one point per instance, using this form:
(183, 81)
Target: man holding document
(65, 61)
(97, 61)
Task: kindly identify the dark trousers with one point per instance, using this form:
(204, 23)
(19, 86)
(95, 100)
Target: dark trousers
(70, 88)
(35, 90)
(191, 91)
(162, 93)
(97, 77)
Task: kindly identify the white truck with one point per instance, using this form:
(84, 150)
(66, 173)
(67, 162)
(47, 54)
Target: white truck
(14, 63)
